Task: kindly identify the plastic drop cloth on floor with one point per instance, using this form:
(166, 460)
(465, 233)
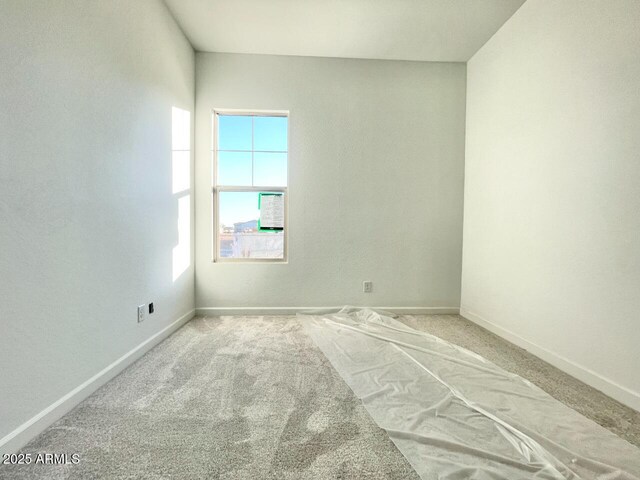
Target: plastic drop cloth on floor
(454, 414)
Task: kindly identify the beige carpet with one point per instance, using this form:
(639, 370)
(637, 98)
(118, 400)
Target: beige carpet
(230, 398)
(593, 404)
(253, 397)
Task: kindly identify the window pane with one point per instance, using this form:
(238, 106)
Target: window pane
(270, 134)
(234, 132)
(234, 168)
(239, 235)
(270, 169)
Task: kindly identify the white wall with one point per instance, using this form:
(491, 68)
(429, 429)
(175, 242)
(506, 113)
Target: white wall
(376, 179)
(552, 188)
(88, 221)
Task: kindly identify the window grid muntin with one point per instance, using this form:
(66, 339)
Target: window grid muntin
(216, 189)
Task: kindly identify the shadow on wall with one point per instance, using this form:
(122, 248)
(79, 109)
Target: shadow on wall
(181, 160)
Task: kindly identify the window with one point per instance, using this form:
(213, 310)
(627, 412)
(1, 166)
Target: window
(250, 180)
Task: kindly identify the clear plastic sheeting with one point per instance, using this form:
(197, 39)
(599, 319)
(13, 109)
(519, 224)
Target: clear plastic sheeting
(455, 415)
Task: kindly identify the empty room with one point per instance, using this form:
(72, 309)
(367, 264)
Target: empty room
(320, 239)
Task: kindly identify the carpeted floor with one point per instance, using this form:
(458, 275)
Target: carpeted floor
(253, 397)
(593, 404)
(223, 398)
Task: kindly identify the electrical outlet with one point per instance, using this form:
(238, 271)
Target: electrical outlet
(151, 309)
(367, 286)
(141, 310)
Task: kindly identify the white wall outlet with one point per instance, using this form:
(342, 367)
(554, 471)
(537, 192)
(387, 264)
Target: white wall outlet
(367, 286)
(141, 311)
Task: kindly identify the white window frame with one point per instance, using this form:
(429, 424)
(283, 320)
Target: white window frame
(216, 189)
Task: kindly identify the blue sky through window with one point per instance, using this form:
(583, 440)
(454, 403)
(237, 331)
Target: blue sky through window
(270, 134)
(238, 207)
(234, 168)
(270, 169)
(252, 151)
(234, 132)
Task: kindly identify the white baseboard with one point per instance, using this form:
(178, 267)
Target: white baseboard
(15, 440)
(217, 311)
(584, 374)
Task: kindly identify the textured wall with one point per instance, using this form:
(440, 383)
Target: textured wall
(376, 180)
(552, 187)
(88, 221)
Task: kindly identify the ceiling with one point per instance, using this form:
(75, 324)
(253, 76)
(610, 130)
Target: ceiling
(427, 30)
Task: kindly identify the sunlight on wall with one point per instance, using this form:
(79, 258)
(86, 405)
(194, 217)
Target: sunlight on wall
(182, 251)
(181, 129)
(181, 172)
(181, 167)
